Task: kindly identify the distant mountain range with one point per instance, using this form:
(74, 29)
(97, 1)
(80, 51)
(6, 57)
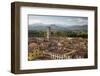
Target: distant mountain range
(57, 27)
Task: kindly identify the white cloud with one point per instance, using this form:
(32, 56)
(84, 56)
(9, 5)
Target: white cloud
(32, 21)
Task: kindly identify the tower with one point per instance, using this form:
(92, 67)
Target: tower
(48, 32)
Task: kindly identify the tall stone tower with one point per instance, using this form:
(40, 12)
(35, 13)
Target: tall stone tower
(48, 32)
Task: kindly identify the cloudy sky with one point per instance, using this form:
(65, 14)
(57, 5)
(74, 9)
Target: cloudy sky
(64, 20)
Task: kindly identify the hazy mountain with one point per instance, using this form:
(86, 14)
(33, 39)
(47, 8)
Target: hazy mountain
(38, 26)
(80, 28)
(43, 27)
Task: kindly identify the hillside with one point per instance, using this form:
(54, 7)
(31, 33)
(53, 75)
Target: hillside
(57, 27)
